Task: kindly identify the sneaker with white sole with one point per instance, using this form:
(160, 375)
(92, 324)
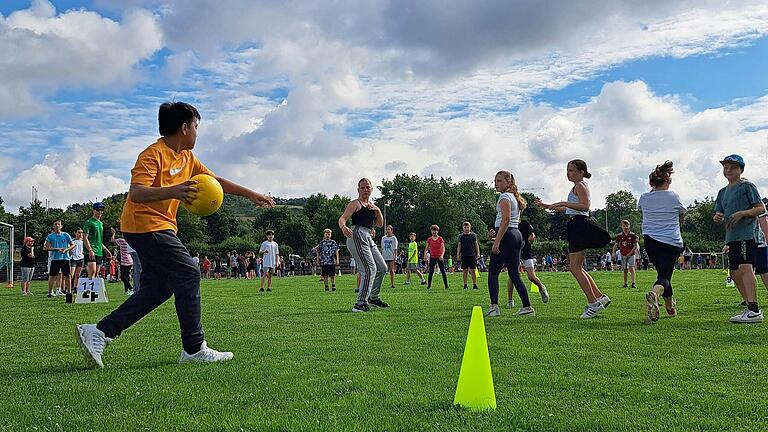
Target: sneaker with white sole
(526, 311)
(205, 355)
(92, 342)
(544, 294)
(511, 303)
(652, 306)
(592, 310)
(58, 293)
(605, 301)
(748, 317)
(494, 311)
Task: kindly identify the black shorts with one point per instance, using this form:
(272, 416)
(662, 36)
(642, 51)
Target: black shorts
(584, 234)
(99, 260)
(60, 267)
(77, 263)
(687, 258)
(741, 252)
(761, 260)
(328, 270)
(469, 262)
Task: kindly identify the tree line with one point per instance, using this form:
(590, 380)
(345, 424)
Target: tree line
(411, 203)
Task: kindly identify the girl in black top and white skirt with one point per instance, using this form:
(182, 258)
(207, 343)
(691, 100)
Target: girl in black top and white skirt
(582, 234)
(363, 248)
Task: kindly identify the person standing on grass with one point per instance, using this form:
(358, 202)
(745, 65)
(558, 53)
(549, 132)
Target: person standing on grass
(76, 258)
(687, 258)
(436, 250)
(270, 254)
(364, 214)
(582, 234)
(217, 267)
(389, 252)
(160, 179)
(328, 254)
(126, 262)
(412, 264)
(627, 244)
(59, 243)
(27, 264)
(467, 252)
(93, 240)
(529, 264)
(663, 215)
(738, 205)
(507, 243)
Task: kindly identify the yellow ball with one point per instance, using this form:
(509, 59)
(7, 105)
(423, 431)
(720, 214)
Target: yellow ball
(210, 195)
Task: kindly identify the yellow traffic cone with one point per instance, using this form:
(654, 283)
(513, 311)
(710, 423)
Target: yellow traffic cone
(475, 387)
(477, 273)
(534, 288)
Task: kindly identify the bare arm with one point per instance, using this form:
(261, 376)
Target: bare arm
(260, 200)
(352, 207)
(505, 206)
(146, 194)
(477, 248)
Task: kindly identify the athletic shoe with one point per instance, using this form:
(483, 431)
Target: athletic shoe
(92, 342)
(333, 288)
(407, 283)
(423, 282)
(748, 317)
(261, 289)
(129, 292)
(360, 307)
(592, 310)
(625, 285)
(377, 303)
(205, 355)
(493, 311)
(23, 293)
(474, 287)
(652, 306)
(58, 293)
(269, 289)
(511, 303)
(605, 301)
(544, 293)
(49, 295)
(673, 312)
(526, 311)
(633, 286)
(465, 286)
(327, 289)
(391, 286)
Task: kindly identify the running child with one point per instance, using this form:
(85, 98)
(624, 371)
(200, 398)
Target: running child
(529, 264)
(328, 251)
(627, 244)
(436, 250)
(413, 261)
(738, 205)
(270, 252)
(364, 214)
(582, 234)
(507, 244)
(389, 252)
(663, 215)
(467, 252)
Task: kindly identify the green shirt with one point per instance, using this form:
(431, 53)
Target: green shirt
(94, 229)
(730, 199)
(413, 253)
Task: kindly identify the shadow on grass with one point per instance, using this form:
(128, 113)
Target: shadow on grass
(68, 368)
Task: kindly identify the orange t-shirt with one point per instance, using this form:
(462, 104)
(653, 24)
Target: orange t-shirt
(158, 166)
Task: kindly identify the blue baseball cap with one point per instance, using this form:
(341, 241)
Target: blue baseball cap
(98, 206)
(734, 158)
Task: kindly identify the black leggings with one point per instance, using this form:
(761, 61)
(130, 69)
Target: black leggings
(509, 254)
(125, 276)
(440, 263)
(663, 256)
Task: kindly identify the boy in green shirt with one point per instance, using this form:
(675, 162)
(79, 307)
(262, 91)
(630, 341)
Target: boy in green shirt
(93, 241)
(413, 261)
(739, 205)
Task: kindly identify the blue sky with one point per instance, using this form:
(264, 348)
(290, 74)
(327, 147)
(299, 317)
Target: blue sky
(292, 93)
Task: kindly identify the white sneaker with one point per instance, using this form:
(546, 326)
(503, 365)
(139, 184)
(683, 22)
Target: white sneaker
(511, 303)
(493, 311)
(544, 294)
(526, 311)
(205, 355)
(92, 342)
(748, 317)
(58, 293)
(605, 301)
(592, 310)
(129, 293)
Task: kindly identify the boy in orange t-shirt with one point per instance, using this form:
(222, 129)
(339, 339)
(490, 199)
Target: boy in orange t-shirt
(159, 181)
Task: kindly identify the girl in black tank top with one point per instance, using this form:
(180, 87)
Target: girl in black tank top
(364, 217)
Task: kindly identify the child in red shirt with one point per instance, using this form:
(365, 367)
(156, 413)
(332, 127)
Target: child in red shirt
(436, 248)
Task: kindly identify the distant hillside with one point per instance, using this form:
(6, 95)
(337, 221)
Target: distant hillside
(242, 207)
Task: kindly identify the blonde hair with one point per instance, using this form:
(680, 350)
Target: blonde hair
(521, 203)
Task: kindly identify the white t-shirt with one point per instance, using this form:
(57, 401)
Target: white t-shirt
(269, 259)
(661, 216)
(77, 252)
(388, 247)
(514, 211)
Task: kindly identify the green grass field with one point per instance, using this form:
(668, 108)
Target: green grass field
(303, 361)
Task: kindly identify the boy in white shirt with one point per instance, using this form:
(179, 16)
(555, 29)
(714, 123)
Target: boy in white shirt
(269, 252)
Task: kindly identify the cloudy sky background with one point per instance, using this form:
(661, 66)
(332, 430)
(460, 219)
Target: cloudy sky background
(299, 97)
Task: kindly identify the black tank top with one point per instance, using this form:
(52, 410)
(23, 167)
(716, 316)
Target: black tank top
(364, 217)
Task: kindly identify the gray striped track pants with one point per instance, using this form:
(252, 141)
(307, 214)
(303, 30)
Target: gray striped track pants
(369, 261)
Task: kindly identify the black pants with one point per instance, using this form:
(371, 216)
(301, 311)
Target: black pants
(167, 269)
(125, 276)
(509, 253)
(440, 263)
(664, 257)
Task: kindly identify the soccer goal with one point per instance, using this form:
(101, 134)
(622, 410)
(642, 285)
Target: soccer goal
(6, 252)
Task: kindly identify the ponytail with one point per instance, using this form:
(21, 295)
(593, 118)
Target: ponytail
(521, 202)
